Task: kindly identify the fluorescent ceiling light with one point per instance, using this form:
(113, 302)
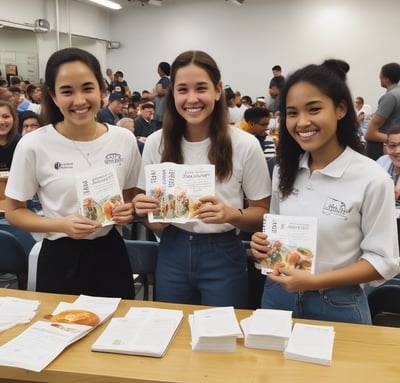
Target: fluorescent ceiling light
(107, 3)
(158, 3)
(237, 2)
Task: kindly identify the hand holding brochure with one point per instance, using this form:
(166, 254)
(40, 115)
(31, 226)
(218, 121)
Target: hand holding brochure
(143, 331)
(293, 240)
(178, 188)
(98, 193)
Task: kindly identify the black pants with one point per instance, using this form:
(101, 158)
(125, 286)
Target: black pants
(98, 267)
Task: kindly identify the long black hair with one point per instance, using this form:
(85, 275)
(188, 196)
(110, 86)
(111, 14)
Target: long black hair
(50, 113)
(330, 80)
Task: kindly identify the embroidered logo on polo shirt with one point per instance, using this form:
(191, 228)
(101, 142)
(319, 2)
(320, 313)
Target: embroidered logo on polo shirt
(65, 165)
(113, 158)
(335, 208)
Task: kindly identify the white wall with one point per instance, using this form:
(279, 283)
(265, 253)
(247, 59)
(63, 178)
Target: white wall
(78, 24)
(247, 41)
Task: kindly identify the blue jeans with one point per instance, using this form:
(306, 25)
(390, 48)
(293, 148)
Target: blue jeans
(205, 269)
(342, 304)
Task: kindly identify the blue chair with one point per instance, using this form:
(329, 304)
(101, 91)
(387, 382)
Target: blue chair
(13, 258)
(143, 258)
(23, 236)
(384, 305)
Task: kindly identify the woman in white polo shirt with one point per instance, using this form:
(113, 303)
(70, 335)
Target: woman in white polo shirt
(321, 172)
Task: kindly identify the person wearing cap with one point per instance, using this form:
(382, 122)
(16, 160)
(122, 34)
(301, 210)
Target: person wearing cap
(144, 123)
(113, 112)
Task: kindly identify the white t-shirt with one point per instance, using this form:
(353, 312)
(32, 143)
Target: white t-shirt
(45, 162)
(250, 172)
(352, 198)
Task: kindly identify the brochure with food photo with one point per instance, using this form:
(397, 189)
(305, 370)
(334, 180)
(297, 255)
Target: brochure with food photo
(98, 193)
(68, 323)
(178, 188)
(293, 242)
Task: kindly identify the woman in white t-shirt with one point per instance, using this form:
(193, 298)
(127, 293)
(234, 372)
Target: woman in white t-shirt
(204, 262)
(78, 255)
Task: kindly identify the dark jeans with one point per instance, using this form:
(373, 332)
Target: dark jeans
(206, 269)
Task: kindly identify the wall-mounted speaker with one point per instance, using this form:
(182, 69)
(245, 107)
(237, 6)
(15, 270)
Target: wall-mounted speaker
(41, 26)
(113, 44)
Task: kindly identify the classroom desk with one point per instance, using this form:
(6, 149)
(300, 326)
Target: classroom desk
(361, 354)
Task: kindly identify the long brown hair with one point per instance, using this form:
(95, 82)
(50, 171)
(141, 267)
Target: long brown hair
(220, 153)
(14, 130)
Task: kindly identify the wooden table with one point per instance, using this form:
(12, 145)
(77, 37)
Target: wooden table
(361, 354)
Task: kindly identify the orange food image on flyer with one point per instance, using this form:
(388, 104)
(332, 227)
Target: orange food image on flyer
(84, 317)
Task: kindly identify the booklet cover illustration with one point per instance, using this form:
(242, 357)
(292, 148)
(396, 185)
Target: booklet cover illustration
(178, 188)
(293, 242)
(98, 193)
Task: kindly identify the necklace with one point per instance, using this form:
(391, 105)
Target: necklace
(74, 142)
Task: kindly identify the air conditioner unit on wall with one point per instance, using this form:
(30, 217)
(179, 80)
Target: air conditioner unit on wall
(113, 44)
(41, 26)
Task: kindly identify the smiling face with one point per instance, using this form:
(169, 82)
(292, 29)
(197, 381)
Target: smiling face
(311, 119)
(195, 96)
(6, 123)
(77, 93)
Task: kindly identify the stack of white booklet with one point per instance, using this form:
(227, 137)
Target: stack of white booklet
(143, 331)
(214, 330)
(65, 325)
(267, 329)
(15, 311)
(310, 343)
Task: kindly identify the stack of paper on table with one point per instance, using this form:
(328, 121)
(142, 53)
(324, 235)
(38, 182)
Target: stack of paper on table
(42, 342)
(267, 329)
(214, 330)
(310, 343)
(15, 311)
(143, 331)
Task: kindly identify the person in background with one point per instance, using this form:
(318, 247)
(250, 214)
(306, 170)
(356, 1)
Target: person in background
(34, 93)
(144, 123)
(109, 77)
(235, 114)
(20, 102)
(246, 101)
(9, 135)
(204, 262)
(387, 114)
(160, 92)
(29, 122)
(78, 255)
(114, 110)
(320, 161)
(391, 160)
(128, 123)
(364, 113)
(119, 85)
(260, 102)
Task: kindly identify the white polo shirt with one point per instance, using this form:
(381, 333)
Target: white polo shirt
(352, 198)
